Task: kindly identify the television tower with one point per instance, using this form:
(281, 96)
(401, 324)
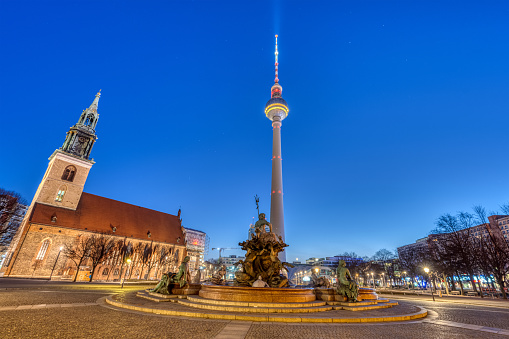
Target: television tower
(276, 110)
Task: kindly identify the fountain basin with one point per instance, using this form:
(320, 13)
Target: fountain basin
(257, 294)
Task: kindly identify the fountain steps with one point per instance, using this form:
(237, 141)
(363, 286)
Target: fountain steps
(254, 304)
(311, 308)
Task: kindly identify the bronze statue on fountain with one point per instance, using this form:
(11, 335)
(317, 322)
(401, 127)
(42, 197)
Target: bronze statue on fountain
(262, 257)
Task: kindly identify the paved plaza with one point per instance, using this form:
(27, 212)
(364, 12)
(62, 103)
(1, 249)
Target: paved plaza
(40, 309)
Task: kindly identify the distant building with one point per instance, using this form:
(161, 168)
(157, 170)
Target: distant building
(230, 262)
(197, 245)
(419, 246)
(314, 261)
(334, 261)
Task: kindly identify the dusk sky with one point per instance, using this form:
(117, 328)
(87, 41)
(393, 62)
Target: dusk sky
(397, 110)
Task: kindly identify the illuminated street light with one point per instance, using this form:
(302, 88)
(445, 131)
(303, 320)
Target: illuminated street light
(429, 275)
(128, 263)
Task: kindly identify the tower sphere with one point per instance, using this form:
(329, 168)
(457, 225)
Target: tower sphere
(276, 109)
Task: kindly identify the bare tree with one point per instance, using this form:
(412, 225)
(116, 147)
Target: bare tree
(115, 256)
(412, 262)
(9, 207)
(383, 255)
(164, 259)
(152, 261)
(136, 253)
(455, 241)
(78, 252)
(493, 254)
(100, 247)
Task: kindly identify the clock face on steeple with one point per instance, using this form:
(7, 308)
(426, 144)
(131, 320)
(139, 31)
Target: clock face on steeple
(81, 136)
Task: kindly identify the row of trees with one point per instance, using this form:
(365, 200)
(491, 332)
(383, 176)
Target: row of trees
(456, 248)
(383, 262)
(115, 253)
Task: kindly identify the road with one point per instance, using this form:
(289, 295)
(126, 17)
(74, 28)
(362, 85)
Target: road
(40, 309)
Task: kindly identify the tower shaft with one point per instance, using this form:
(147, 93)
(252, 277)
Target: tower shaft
(276, 196)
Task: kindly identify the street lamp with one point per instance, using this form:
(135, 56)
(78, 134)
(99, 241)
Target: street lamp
(54, 265)
(128, 263)
(373, 279)
(429, 275)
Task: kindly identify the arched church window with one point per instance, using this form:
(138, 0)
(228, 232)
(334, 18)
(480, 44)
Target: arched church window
(105, 271)
(43, 250)
(69, 173)
(116, 271)
(61, 193)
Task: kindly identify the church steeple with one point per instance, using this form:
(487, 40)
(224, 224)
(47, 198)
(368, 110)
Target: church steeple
(81, 137)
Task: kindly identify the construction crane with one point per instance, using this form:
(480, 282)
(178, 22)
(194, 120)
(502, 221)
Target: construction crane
(221, 249)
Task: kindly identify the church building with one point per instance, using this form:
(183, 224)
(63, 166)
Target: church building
(146, 242)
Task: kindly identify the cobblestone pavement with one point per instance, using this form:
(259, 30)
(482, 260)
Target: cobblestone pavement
(16, 298)
(467, 314)
(100, 321)
(420, 330)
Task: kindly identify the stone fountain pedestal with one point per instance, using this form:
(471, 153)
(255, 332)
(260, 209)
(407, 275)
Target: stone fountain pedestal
(329, 294)
(187, 289)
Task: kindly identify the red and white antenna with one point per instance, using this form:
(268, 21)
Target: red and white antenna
(277, 78)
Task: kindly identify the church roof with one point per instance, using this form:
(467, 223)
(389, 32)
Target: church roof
(99, 214)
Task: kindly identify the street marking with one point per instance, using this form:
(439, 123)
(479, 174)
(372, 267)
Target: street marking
(493, 303)
(467, 326)
(43, 306)
(236, 330)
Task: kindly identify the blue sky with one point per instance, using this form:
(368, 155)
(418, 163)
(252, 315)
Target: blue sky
(397, 110)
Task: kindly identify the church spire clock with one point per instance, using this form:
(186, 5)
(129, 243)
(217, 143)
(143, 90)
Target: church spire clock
(81, 136)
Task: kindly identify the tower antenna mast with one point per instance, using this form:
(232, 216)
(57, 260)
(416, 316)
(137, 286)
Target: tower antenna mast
(277, 64)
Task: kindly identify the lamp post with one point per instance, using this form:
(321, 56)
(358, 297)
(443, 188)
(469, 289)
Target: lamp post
(373, 280)
(128, 265)
(54, 265)
(429, 275)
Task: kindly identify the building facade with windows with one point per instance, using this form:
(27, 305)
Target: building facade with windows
(197, 246)
(61, 214)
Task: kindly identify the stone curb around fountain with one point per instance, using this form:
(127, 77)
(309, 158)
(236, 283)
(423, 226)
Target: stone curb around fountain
(308, 318)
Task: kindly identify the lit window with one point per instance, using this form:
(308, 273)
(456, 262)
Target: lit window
(69, 173)
(60, 194)
(42, 251)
